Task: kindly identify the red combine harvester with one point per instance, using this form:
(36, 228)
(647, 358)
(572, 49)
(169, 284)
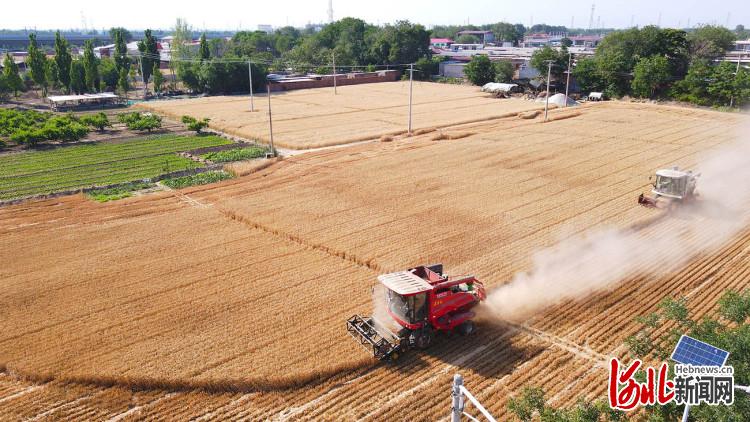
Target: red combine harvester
(422, 301)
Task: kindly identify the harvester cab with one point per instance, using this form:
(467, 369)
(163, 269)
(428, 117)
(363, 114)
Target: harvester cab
(420, 301)
(672, 186)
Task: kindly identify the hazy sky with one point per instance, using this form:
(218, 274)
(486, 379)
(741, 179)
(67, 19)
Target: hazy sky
(227, 14)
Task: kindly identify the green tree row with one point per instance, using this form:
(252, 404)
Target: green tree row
(666, 63)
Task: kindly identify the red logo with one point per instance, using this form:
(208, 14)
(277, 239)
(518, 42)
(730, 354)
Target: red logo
(625, 393)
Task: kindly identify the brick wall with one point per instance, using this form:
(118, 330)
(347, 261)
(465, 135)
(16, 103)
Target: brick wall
(341, 79)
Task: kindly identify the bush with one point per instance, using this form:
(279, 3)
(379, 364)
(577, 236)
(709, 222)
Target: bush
(140, 121)
(27, 136)
(98, 121)
(194, 124)
(196, 179)
(66, 129)
(31, 127)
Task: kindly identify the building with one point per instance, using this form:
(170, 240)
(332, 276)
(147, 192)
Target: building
(586, 41)
(555, 40)
(268, 29)
(452, 69)
(486, 36)
(740, 53)
(441, 43)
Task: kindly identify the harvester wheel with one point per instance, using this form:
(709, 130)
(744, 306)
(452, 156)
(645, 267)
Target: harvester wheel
(394, 356)
(422, 338)
(466, 328)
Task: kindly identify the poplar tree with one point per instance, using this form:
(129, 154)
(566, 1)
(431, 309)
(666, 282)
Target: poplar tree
(149, 54)
(122, 61)
(91, 67)
(77, 77)
(204, 53)
(37, 64)
(63, 60)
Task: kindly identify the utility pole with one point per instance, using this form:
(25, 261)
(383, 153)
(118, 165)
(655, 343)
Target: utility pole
(567, 82)
(546, 99)
(334, 73)
(270, 119)
(411, 84)
(250, 72)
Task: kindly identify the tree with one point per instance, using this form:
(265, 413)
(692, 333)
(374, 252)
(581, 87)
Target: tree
(507, 32)
(194, 124)
(37, 64)
(91, 67)
(77, 77)
(158, 78)
(480, 70)
(729, 330)
(149, 55)
(108, 74)
(203, 52)
(531, 402)
(122, 61)
(742, 88)
(403, 42)
(727, 87)
(51, 74)
(4, 91)
(12, 78)
(694, 88)
(504, 71)
(425, 67)
(124, 33)
(63, 60)
(123, 84)
(559, 59)
(566, 42)
(587, 75)
(710, 42)
(468, 39)
(650, 74)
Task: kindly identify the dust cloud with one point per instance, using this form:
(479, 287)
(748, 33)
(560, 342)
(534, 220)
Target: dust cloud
(600, 259)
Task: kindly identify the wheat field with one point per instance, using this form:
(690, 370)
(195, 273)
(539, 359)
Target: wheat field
(312, 118)
(228, 301)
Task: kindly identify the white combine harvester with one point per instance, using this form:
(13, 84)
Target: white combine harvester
(672, 187)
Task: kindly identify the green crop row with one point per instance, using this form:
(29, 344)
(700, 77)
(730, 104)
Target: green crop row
(196, 179)
(235, 154)
(68, 168)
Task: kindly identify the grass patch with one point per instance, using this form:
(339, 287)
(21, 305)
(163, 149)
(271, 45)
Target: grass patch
(120, 192)
(66, 168)
(196, 179)
(236, 154)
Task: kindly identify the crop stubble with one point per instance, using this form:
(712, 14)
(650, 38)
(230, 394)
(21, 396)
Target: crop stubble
(236, 309)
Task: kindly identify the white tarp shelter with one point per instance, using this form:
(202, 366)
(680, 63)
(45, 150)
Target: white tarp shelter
(496, 88)
(58, 102)
(559, 100)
